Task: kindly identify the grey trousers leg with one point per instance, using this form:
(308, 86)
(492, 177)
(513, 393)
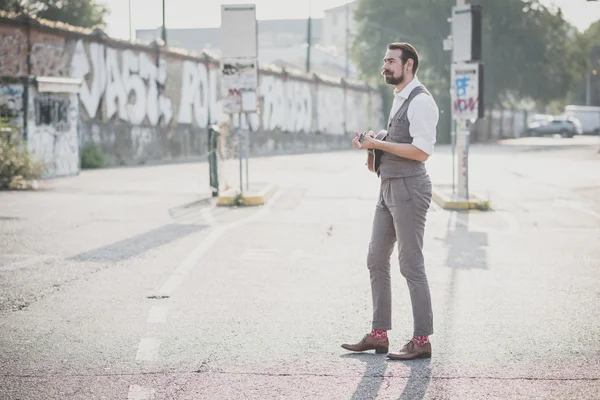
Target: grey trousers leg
(400, 217)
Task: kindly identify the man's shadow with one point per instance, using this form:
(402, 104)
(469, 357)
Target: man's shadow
(375, 373)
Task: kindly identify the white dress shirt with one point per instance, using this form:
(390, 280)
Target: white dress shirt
(423, 115)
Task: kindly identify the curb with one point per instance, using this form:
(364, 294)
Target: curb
(443, 196)
(255, 197)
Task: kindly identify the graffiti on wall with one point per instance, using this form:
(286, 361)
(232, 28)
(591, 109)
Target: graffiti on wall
(11, 101)
(54, 111)
(130, 92)
(13, 49)
(47, 59)
(287, 104)
(52, 136)
(193, 105)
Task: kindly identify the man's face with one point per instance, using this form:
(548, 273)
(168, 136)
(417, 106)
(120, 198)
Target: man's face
(393, 69)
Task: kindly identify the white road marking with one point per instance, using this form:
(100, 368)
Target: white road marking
(259, 254)
(148, 349)
(158, 315)
(579, 207)
(299, 254)
(512, 221)
(177, 277)
(137, 392)
(208, 217)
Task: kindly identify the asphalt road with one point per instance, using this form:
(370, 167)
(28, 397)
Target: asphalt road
(131, 284)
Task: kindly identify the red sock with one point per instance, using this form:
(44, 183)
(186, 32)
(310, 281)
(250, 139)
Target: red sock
(421, 340)
(379, 334)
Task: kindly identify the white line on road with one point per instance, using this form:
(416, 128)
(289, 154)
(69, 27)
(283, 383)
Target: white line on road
(513, 222)
(158, 315)
(177, 277)
(208, 217)
(579, 207)
(137, 392)
(259, 254)
(148, 349)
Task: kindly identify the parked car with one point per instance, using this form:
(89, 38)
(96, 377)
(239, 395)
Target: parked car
(567, 127)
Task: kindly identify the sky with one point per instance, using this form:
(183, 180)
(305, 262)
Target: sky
(147, 14)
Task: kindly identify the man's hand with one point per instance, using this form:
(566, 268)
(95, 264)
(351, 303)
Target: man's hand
(367, 141)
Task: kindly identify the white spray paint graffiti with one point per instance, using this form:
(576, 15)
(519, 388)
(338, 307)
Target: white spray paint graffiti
(287, 104)
(139, 75)
(128, 85)
(53, 137)
(194, 94)
(80, 68)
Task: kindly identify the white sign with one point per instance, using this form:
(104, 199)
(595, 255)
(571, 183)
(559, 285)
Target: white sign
(239, 84)
(462, 33)
(464, 88)
(239, 33)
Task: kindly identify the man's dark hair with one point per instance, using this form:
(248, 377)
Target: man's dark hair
(408, 51)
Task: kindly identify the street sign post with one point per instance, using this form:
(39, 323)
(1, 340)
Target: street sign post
(466, 87)
(239, 69)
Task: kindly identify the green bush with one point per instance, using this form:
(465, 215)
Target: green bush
(17, 169)
(92, 157)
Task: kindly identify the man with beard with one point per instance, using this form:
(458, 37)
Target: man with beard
(404, 198)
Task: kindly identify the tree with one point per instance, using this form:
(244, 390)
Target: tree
(591, 43)
(84, 13)
(13, 5)
(529, 52)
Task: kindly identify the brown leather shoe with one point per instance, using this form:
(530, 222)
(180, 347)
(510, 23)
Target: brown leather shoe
(368, 342)
(411, 351)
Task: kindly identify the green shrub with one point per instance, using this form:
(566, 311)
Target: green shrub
(92, 157)
(17, 169)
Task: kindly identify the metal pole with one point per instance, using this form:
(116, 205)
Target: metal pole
(130, 37)
(453, 134)
(164, 25)
(588, 88)
(346, 71)
(466, 161)
(239, 133)
(308, 39)
(247, 156)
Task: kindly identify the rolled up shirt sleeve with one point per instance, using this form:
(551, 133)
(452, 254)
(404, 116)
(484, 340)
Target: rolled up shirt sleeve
(423, 115)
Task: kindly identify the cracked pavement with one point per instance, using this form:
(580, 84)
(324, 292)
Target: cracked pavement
(260, 299)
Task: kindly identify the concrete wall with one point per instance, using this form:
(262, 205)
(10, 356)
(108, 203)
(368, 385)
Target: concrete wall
(499, 124)
(49, 123)
(142, 102)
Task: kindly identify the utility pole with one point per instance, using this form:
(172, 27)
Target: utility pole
(130, 36)
(588, 88)
(346, 72)
(164, 26)
(308, 39)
